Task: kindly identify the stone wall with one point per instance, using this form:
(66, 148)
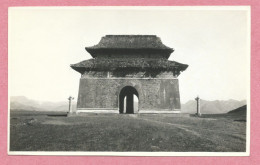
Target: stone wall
(103, 93)
(127, 74)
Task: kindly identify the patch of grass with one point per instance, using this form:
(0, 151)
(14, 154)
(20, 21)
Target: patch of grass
(102, 132)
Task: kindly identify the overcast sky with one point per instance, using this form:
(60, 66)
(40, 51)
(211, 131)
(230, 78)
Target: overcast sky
(43, 42)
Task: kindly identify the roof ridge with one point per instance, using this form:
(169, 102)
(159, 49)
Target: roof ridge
(130, 35)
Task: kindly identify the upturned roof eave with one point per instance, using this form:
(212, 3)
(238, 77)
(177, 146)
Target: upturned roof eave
(94, 48)
(81, 67)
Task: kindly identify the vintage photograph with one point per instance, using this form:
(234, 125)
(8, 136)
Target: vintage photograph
(129, 81)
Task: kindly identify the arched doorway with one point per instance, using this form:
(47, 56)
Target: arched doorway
(126, 99)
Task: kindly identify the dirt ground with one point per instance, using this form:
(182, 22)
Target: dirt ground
(35, 131)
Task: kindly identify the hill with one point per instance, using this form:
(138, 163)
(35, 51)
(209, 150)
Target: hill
(239, 111)
(207, 107)
(23, 103)
(212, 107)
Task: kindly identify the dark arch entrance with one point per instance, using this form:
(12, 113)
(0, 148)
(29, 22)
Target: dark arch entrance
(127, 92)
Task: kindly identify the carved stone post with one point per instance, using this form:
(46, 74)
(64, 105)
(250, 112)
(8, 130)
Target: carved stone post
(198, 106)
(70, 105)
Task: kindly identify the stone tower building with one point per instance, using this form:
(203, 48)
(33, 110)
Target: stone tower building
(126, 65)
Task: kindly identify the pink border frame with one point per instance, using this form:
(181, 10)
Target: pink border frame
(254, 157)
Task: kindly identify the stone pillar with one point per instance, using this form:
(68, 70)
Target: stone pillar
(70, 105)
(130, 103)
(198, 106)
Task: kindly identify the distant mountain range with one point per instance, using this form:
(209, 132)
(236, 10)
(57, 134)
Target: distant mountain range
(212, 107)
(207, 107)
(23, 103)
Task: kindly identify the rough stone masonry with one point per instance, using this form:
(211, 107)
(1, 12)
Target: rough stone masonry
(126, 65)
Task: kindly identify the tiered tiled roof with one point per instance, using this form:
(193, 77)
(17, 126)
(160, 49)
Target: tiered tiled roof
(129, 44)
(117, 43)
